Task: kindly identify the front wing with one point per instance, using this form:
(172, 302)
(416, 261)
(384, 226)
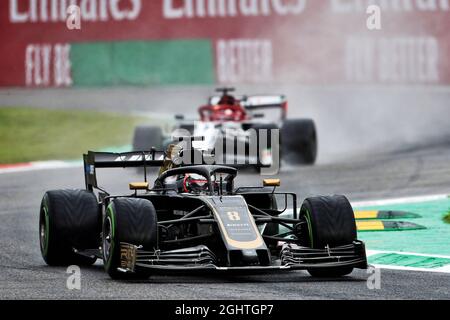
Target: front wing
(200, 258)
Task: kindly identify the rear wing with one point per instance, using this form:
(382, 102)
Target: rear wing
(266, 102)
(135, 159)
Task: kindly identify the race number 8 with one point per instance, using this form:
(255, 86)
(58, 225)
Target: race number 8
(233, 215)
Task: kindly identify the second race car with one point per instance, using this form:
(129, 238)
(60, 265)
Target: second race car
(247, 130)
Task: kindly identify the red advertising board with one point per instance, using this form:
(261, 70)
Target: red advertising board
(292, 41)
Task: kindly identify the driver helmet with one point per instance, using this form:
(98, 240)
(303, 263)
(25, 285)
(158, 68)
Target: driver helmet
(227, 99)
(192, 183)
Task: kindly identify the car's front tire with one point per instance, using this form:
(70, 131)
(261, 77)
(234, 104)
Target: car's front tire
(68, 220)
(329, 221)
(129, 220)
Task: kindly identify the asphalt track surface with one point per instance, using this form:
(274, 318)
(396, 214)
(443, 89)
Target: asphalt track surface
(415, 161)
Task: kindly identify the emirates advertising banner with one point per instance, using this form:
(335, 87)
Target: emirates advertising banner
(63, 43)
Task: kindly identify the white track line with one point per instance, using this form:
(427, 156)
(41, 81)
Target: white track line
(48, 165)
(445, 269)
(416, 199)
(41, 165)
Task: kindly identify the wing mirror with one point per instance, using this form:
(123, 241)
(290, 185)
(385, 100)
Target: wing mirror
(138, 185)
(271, 182)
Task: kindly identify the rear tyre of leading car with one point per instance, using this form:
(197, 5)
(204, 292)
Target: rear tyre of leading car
(68, 220)
(329, 221)
(129, 220)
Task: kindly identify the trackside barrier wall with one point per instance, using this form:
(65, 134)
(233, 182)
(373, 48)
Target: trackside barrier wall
(137, 42)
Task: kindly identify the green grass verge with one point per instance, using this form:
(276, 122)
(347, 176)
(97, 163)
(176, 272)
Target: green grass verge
(31, 134)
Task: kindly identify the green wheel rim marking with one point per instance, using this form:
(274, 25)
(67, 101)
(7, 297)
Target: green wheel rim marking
(47, 231)
(110, 213)
(308, 221)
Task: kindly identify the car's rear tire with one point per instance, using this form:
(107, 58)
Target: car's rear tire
(299, 141)
(68, 219)
(129, 220)
(146, 137)
(329, 221)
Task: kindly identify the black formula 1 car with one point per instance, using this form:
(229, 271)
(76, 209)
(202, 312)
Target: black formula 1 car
(255, 122)
(194, 219)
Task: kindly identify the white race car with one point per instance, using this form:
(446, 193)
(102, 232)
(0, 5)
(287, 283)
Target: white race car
(239, 131)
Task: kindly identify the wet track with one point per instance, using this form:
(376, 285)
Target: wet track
(414, 161)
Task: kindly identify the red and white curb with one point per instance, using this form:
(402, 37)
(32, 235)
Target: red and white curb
(38, 165)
